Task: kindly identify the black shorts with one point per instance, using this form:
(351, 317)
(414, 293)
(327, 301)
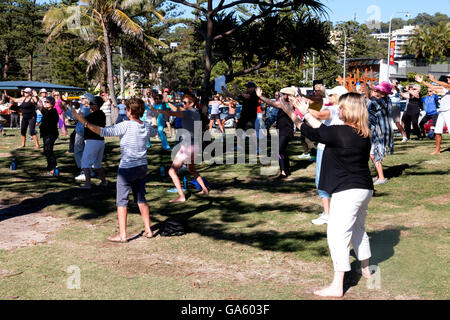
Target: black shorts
(214, 117)
(29, 123)
(230, 116)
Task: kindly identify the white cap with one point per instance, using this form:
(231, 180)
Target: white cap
(339, 90)
(289, 90)
(42, 90)
(27, 90)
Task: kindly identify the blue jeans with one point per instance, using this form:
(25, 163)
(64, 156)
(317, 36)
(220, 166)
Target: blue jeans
(121, 118)
(322, 193)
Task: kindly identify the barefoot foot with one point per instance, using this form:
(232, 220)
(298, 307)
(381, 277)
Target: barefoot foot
(329, 292)
(179, 199)
(118, 238)
(204, 192)
(435, 152)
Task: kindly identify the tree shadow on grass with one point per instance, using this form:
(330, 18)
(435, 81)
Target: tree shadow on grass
(382, 244)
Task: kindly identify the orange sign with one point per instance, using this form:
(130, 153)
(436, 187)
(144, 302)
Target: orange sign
(391, 52)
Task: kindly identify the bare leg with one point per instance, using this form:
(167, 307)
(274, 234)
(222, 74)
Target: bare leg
(170, 129)
(335, 289)
(101, 174)
(400, 128)
(122, 217)
(220, 125)
(210, 124)
(199, 179)
(379, 168)
(365, 271)
(438, 144)
(87, 174)
(176, 181)
(36, 142)
(22, 140)
(326, 205)
(145, 214)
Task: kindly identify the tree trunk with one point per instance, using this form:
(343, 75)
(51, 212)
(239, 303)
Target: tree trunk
(30, 66)
(6, 65)
(206, 86)
(112, 95)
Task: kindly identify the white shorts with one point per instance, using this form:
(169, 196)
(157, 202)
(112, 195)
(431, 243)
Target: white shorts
(396, 113)
(442, 120)
(93, 154)
(186, 153)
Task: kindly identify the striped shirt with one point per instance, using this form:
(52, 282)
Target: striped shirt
(380, 126)
(133, 141)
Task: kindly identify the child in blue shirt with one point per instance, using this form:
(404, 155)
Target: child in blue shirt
(430, 104)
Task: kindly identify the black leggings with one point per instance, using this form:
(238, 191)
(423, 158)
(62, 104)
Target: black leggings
(49, 142)
(413, 119)
(283, 155)
(425, 120)
(29, 123)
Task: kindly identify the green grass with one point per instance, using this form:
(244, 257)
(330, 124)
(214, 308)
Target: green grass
(251, 238)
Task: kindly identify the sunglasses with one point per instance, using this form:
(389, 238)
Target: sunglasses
(185, 102)
(47, 102)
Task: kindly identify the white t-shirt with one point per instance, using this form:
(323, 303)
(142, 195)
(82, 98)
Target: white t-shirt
(106, 107)
(331, 121)
(444, 103)
(215, 107)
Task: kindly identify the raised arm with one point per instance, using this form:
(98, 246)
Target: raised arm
(441, 83)
(228, 93)
(420, 80)
(268, 101)
(178, 114)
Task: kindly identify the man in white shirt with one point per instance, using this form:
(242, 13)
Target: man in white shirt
(106, 108)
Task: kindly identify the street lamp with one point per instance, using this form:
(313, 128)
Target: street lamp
(389, 37)
(345, 51)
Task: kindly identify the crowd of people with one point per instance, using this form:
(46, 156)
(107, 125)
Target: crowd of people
(346, 128)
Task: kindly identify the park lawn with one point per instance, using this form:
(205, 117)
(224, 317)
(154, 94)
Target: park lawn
(251, 238)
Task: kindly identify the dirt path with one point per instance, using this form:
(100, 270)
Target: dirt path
(25, 230)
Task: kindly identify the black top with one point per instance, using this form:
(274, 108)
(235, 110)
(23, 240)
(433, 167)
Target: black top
(414, 106)
(14, 107)
(99, 119)
(248, 113)
(284, 124)
(49, 123)
(345, 162)
(28, 109)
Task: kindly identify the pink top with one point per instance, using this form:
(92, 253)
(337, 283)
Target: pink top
(58, 106)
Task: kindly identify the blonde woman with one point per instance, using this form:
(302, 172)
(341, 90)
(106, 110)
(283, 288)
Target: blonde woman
(345, 175)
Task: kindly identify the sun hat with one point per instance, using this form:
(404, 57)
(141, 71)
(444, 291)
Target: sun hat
(289, 90)
(384, 87)
(166, 90)
(89, 97)
(27, 90)
(339, 90)
(43, 90)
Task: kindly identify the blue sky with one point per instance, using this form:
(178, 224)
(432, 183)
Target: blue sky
(344, 10)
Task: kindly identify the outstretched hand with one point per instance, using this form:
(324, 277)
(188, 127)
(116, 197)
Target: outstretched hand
(301, 104)
(258, 91)
(77, 115)
(418, 78)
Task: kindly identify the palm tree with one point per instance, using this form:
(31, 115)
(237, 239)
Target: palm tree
(430, 42)
(99, 22)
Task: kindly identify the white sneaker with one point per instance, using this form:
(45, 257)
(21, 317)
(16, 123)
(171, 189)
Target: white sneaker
(80, 177)
(304, 156)
(404, 139)
(322, 219)
(378, 182)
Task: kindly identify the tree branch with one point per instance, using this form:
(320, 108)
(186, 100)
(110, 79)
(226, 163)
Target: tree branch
(192, 5)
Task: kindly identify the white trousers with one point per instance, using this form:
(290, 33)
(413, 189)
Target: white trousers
(346, 225)
(442, 120)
